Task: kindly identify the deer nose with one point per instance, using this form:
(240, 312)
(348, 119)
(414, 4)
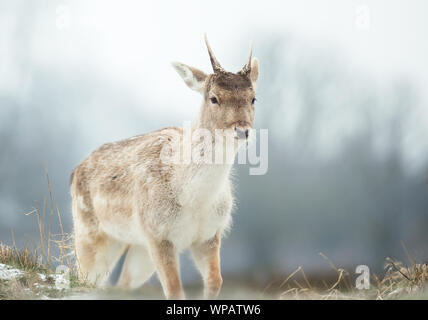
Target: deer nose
(241, 134)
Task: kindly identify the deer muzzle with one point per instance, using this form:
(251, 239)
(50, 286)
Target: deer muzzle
(241, 133)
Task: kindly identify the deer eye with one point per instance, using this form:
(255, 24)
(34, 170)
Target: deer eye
(253, 101)
(214, 100)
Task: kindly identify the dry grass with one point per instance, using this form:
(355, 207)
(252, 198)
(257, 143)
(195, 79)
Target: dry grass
(52, 248)
(39, 261)
(399, 282)
(24, 259)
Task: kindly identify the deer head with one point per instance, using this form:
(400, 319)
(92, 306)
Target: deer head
(228, 98)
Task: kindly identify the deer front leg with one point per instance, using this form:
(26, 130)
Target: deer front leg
(207, 260)
(165, 258)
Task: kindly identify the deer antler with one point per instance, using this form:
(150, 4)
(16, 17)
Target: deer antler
(216, 65)
(247, 68)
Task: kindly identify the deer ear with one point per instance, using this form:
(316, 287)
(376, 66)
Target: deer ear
(254, 70)
(194, 78)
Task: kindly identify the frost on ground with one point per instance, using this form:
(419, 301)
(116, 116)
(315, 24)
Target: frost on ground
(21, 284)
(60, 281)
(25, 275)
(9, 273)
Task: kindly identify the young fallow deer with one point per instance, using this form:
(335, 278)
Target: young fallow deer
(125, 197)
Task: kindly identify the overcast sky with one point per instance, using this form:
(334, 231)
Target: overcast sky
(133, 42)
(142, 39)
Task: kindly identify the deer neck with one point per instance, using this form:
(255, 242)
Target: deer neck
(213, 139)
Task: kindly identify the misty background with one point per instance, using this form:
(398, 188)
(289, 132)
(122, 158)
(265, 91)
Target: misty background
(342, 91)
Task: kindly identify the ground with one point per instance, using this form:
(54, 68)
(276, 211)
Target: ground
(23, 276)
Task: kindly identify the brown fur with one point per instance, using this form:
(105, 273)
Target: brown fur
(207, 257)
(124, 196)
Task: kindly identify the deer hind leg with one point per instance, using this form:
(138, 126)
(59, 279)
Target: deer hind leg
(137, 269)
(207, 259)
(97, 254)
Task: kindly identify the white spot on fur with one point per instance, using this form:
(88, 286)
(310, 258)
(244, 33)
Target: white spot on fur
(81, 204)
